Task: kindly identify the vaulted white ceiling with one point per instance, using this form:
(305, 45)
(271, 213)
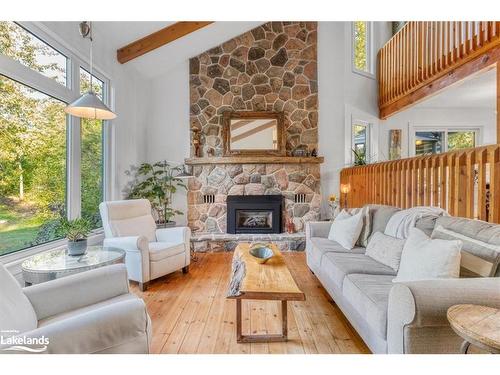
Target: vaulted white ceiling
(161, 60)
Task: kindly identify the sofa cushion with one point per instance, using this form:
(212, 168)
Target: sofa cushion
(380, 215)
(16, 312)
(369, 296)
(385, 249)
(338, 265)
(162, 250)
(346, 228)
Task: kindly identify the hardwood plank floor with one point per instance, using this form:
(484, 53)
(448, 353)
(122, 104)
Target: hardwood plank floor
(191, 314)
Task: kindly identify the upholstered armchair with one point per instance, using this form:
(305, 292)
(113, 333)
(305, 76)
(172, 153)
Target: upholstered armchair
(89, 312)
(150, 252)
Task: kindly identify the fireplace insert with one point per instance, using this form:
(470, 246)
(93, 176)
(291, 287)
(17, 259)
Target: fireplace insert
(254, 214)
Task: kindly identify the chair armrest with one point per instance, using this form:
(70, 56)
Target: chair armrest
(175, 234)
(137, 255)
(423, 304)
(318, 229)
(79, 290)
(97, 330)
(133, 243)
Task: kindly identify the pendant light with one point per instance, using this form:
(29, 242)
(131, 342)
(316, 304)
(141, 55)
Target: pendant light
(89, 105)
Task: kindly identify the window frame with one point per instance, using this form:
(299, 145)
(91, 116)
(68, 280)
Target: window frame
(367, 126)
(478, 130)
(370, 59)
(16, 71)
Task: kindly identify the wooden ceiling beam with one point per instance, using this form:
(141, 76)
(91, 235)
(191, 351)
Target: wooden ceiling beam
(158, 39)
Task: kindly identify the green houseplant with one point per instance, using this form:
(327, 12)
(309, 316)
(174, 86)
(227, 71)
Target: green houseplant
(157, 183)
(76, 231)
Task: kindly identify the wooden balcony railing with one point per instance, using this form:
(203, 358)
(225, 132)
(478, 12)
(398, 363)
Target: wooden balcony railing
(421, 52)
(466, 183)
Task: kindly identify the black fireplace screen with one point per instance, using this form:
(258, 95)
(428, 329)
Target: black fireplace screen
(254, 214)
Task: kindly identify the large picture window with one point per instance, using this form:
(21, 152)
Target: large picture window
(32, 165)
(51, 164)
(438, 140)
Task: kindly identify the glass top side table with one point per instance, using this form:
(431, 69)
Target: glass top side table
(54, 264)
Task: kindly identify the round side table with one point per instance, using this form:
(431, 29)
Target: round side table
(54, 264)
(477, 325)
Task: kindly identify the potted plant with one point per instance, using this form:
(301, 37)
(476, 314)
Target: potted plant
(157, 183)
(76, 231)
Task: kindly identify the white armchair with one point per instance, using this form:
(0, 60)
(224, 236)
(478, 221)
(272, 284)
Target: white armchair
(150, 252)
(89, 312)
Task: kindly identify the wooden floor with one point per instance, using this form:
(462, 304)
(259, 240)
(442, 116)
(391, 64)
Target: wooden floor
(190, 313)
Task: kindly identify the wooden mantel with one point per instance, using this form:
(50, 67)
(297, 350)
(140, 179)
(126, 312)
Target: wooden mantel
(255, 160)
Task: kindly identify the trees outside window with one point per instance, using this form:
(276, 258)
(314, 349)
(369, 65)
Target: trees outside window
(361, 46)
(442, 140)
(39, 174)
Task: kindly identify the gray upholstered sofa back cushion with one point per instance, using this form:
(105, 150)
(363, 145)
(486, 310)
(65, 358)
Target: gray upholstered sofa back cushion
(479, 238)
(380, 215)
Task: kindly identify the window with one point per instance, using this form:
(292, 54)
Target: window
(92, 155)
(51, 164)
(32, 165)
(360, 142)
(21, 45)
(443, 140)
(362, 60)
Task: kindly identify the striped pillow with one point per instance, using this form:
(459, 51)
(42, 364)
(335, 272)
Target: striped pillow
(479, 258)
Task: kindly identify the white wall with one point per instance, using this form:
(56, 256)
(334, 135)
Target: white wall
(342, 94)
(129, 95)
(484, 119)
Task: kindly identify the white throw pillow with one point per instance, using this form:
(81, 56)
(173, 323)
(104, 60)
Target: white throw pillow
(346, 229)
(385, 249)
(424, 258)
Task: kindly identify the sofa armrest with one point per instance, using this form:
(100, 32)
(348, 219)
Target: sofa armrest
(175, 234)
(318, 229)
(95, 331)
(422, 305)
(132, 243)
(79, 290)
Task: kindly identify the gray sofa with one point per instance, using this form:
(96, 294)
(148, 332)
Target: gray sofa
(404, 317)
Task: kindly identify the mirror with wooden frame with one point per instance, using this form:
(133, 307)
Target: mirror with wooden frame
(253, 133)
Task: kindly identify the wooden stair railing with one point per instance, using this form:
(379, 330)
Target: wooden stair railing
(421, 53)
(465, 182)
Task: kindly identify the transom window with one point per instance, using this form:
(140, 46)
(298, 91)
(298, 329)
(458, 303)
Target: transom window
(362, 60)
(51, 164)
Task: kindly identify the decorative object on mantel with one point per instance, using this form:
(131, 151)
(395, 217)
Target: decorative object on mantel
(210, 152)
(333, 202)
(196, 141)
(314, 153)
(289, 225)
(157, 183)
(89, 105)
(345, 189)
(253, 133)
(394, 144)
(76, 231)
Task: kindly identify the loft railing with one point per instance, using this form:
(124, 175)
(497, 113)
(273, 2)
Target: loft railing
(423, 51)
(466, 183)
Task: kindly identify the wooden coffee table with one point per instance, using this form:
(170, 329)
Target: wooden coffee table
(477, 325)
(270, 281)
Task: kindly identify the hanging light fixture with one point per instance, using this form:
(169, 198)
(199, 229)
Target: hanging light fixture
(89, 105)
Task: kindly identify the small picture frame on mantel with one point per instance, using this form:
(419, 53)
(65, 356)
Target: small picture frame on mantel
(253, 133)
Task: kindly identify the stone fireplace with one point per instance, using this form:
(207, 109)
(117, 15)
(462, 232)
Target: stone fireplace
(270, 68)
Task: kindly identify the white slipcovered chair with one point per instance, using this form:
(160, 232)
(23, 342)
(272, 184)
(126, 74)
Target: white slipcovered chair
(89, 312)
(150, 252)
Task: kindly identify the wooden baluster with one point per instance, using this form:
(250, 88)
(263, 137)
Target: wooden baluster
(428, 179)
(481, 34)
(443, 182)
(414, 182)
(474, 35)
(494, 201)
(481, 159)
(467, 38)
(469, 182)
(421, 181)
(451, 184)
(435, 181)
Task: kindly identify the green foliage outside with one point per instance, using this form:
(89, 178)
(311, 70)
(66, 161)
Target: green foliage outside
(360, 56)
(33, 151)
(457, 140)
